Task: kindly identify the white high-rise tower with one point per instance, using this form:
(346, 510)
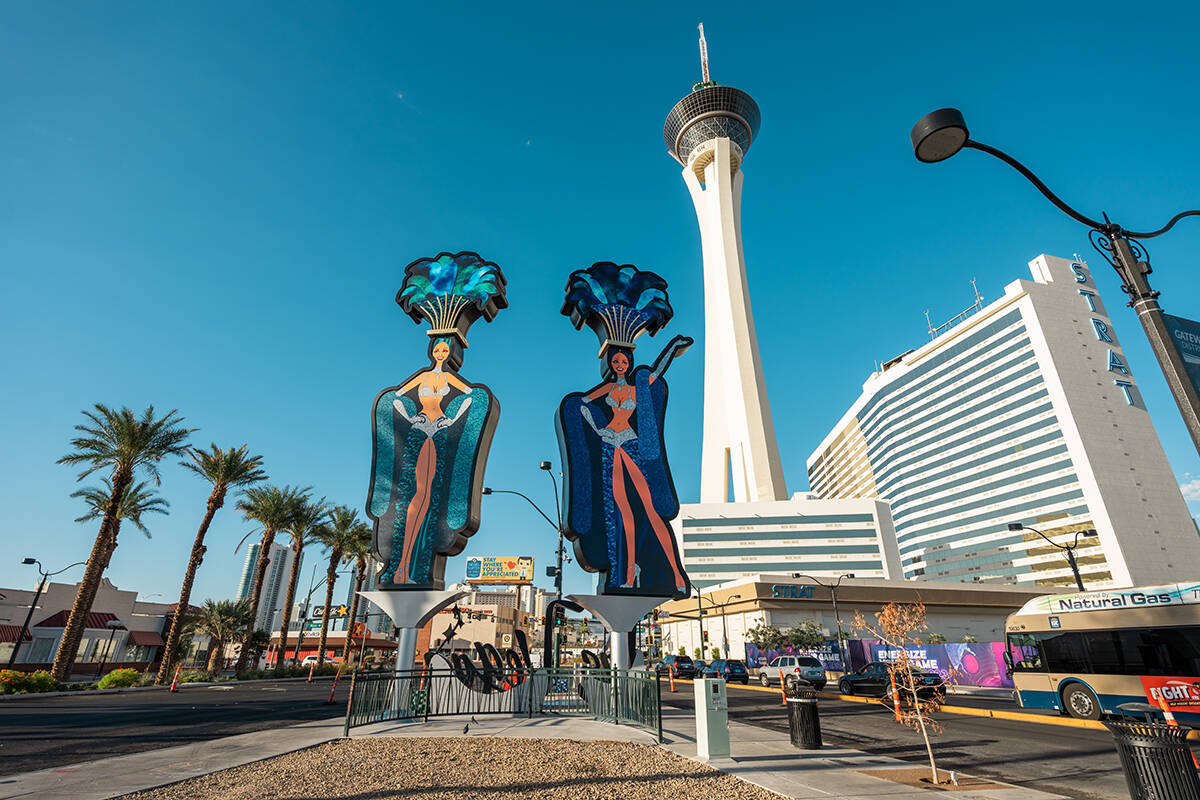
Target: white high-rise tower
(709, 132)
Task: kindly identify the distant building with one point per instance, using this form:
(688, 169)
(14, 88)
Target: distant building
(725, 541)
(269, 613)
(1025, 411)
(134, 639)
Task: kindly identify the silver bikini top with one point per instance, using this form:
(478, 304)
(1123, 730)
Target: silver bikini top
(429, 391)
(628, 405)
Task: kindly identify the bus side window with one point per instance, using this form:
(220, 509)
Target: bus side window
(1026, 654)
(1065, 652)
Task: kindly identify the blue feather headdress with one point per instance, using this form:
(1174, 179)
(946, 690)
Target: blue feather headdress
(452, 291)
(619, 303)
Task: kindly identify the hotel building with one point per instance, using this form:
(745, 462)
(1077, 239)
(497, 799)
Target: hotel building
(726, 541)
(268, 615)
(1026, 411)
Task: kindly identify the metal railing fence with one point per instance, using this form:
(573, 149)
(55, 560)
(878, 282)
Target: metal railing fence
(609, 695)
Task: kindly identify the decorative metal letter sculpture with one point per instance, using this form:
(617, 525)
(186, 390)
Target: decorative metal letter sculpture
(619, 493)
(432, 432)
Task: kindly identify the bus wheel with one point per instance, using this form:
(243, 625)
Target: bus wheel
(1080, 703)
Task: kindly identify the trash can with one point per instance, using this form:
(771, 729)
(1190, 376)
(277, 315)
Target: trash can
(1156, 760)
(804, 722)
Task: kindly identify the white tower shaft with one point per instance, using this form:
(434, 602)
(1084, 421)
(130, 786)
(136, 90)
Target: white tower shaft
(739, 453)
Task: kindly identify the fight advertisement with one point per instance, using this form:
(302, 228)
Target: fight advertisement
(1178, 694)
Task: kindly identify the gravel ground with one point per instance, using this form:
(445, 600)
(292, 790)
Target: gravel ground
(482, 768)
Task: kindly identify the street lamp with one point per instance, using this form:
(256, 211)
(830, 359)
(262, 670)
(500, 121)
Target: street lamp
(714, 604)
(12, 659)
(836, 616)
(113, 626)
(941, 134)
(547, 467)
(1069, 548)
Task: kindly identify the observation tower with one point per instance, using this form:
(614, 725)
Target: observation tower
(709, 132)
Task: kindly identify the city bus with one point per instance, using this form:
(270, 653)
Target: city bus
(1085, 653)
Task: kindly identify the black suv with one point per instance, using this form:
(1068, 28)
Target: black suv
(681, 665)
(874, 679)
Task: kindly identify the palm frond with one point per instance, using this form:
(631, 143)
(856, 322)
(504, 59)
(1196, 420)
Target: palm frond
(224, 468)
(136, 501)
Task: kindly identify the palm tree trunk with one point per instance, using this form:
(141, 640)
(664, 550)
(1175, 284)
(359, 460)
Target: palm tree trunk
(264, 558)
(89, 584)
(287, 607)
(335, 556)
(216, 653)
(359, 575)
(215, 501)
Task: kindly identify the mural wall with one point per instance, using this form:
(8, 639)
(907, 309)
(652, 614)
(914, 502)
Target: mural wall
(965, 664)
(431, 432)
(619, 496)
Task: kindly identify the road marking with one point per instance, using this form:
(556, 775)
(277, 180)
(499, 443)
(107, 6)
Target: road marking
(968, 711)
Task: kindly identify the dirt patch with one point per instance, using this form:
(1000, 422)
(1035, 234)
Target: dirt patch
(919, 777)
(470, 768)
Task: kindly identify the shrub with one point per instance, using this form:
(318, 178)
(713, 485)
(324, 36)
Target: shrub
(15, 682)
(195, 676)
(250, 675)
(119, 679)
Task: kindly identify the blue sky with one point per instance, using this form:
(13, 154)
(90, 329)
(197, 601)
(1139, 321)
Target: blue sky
(211, 209)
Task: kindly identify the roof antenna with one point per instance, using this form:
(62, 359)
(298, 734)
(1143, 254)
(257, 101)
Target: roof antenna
(703, 55)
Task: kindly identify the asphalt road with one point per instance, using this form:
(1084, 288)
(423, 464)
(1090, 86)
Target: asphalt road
(40, 732)
(1077, 762)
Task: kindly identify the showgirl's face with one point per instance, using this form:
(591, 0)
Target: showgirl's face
(620, 364)
(440, 351)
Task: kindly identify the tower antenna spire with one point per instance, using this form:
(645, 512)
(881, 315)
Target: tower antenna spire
(703, 55)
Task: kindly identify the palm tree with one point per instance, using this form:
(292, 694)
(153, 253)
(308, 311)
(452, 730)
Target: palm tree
(360, 550)
(224, 469)
(122, 443)
(138, 500)
(339, 534)
(309, 517)
(222, 622)
(276, 510)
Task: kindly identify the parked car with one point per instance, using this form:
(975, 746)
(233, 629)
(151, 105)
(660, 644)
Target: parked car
(874, 680)
(313, 659)
(683, 666)
(730, 669)
(795, 668)
(700, 664)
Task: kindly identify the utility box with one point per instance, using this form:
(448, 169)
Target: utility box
(712, 718)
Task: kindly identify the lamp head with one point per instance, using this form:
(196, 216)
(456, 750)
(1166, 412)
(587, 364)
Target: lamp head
(28, 560)
(487, 490)
(114, 624)
(939, 135)
(546, 465)
(849, 575)
(1089, 532)
(1015, 526)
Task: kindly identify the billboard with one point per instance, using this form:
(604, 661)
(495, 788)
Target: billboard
(497, 569)
(1175, 693)
(1185, 334)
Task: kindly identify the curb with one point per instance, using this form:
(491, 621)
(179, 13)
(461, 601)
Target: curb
(182, 686)
(968, 711)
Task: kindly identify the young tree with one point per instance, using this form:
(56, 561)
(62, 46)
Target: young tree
(122, 443)
(765, 637)
(308, 518)
(224, 469)
(936, 638)
(340, 534)
(223, 622)
(899, 626)
(276, 510)
(805, 635)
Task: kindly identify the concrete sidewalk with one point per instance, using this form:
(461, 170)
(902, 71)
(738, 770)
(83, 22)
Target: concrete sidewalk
(111, 777)
(767, 758)
(762, 757)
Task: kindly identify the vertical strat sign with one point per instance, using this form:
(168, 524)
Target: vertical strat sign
(1123, 378)
(432, 431)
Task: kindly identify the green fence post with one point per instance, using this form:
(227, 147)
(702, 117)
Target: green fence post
(615, 698)
(658, 703)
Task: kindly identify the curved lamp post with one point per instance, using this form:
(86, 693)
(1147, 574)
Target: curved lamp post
(12, 659)
(547, 467)
(940, 134)
(832, 587)
(1069, 549)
